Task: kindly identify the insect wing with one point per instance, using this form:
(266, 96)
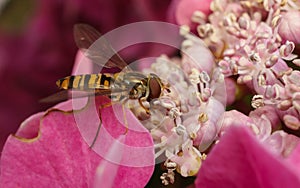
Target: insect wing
(99, 52)
(69, 94)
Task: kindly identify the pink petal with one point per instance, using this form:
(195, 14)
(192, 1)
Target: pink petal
(82, 65)
(294, 159)
(230, 90)
(289, 27)
(184, 9)
(59, 157)
(112, 127)
(30, 127)
(239, 160)
(269, 112)
(280, 68)
(199, 57)
(210, 129)
(107, 179)
(232, 118)
(281, 143)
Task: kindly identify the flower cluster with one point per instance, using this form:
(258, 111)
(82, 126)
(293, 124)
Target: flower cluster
(246, 38)
(183, 121)
(247, 42)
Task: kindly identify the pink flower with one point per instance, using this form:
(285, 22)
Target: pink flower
(239, 160)
(49, 150)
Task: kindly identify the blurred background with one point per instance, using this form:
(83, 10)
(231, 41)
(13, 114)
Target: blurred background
(37, 46)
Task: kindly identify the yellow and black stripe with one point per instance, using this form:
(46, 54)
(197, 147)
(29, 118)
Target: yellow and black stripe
(86, 82)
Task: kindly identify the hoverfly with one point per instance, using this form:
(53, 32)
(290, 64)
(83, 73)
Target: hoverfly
(120, 87)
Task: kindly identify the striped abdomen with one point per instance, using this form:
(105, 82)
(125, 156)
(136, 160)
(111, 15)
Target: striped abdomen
(86, 81)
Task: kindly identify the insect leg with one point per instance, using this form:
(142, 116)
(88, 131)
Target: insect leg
(142, 105)
(100, 117)
(123, 110)
(98, 129)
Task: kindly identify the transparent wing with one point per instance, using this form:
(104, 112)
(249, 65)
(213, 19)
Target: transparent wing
(86, 36)
(69, 94)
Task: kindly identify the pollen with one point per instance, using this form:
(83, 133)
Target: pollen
(257, 101)
(202, 117)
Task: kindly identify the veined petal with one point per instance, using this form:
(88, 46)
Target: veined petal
(238, 160)
(59, 157)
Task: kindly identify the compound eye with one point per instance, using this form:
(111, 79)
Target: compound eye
(155, 88)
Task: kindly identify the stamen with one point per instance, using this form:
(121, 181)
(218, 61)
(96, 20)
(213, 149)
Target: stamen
(167, 103)
(254, 58)
(194, 76)
(273, 59)
(287, 49)
(174, 112)
(205, 30)
(261, 80)
(244, 79)
(257, 101)
(193, 135)
(167, 178)
(184, 30)
(275, 21)
(284, 105)
(291, 122)
(180, 130)
(296, 101)
(186, 44)
(204, 77)
(272, 47)
(202, 117)
(229, 52)
(296, 62)
(198, 17)
(244, 23)
(225, 67)
(170, 165)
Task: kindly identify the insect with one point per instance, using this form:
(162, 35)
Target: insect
(120, 87)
